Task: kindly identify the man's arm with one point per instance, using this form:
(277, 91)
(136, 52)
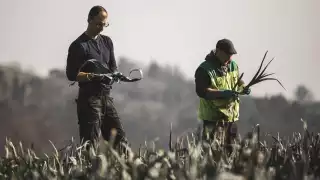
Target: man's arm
(112, 63)
(204, 89)
(75, 59)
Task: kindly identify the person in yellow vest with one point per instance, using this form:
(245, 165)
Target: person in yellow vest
(215, 80)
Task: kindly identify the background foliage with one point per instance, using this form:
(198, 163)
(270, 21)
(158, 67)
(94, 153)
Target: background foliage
(34, 110)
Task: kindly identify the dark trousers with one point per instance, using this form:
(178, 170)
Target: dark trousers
(98, 116)
(210, 128)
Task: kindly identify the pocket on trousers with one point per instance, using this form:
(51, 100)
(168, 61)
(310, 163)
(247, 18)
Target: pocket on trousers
(90, 110)
(111, 111)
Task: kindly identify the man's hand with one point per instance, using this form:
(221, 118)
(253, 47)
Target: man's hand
(84, 77)
(229, 94)
(212, 94)
(246, 91)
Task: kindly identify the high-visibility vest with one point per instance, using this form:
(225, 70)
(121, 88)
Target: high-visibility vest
(226, 109)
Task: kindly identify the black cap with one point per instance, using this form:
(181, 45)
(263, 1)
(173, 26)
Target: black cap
(227, 46)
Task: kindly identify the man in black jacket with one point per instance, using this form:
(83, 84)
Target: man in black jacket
(95, 108)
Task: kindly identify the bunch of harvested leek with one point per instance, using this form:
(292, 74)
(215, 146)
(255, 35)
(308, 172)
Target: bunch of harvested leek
(259, 76)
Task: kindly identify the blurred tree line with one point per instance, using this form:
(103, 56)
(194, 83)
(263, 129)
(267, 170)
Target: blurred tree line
(34, 110)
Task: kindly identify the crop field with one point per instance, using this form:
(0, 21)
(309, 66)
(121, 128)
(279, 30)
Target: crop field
(187, 158)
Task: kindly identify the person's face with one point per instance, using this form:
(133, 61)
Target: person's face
(97, 24)
(223, 57)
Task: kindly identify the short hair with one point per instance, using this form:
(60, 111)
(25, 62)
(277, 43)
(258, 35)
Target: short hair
(94, 11)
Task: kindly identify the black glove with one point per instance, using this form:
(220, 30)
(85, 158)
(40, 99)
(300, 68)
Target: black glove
(229, 94)
(221, 94)
(246, 91)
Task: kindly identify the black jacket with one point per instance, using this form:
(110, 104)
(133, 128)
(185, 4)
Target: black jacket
(85, 48)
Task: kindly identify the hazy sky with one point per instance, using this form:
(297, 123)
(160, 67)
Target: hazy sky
(37, 33)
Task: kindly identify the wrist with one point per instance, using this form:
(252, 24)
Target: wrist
(83, 76)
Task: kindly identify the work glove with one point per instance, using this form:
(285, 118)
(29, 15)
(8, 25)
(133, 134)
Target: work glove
(246, 91)
(229, 94)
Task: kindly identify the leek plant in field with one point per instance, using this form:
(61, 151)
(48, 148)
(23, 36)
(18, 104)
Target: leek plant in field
(292, 159)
